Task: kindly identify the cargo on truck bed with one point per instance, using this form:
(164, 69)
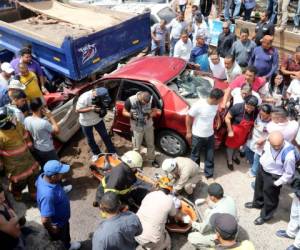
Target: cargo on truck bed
(74, 41)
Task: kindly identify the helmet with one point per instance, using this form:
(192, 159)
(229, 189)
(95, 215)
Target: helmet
(169, 165)
(165, 183)
(5, 116)
(133, 159)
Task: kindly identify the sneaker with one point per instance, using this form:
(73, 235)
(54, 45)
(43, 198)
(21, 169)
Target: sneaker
(296, 30)
(283, 234)
(67, 188)
(75, 245)
(250, 174)
(95, 158)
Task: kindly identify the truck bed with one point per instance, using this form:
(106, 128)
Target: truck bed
(65, 21)
(74, 41)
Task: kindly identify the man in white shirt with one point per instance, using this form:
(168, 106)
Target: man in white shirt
(6, 74)
(89, 118)
(200, 129)
(280, 122)
(217, 67)
(183, 47)
(293, 90)
(217, 203)
(176, 26)
(199, 27)
(232, 69)
(239, 94)
(277, 168)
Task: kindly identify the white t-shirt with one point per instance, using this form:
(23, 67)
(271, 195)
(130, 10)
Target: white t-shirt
(3, 82)
(89, 118)
(237, 96)
(183, 50)
(218, 70)
(176, 28)
(294, 89)
(204, 115)
(288, 129)
(259, 131)
(232, 73)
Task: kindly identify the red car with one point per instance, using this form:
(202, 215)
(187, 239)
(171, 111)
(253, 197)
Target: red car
(172, 84)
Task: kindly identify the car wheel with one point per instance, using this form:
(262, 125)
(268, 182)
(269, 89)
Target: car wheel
(171, 143)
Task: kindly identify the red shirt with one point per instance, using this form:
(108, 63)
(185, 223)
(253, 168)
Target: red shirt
(289, 63)
(240, 80)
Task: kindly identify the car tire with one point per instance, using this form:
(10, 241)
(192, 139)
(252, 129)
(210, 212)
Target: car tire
(171, 143)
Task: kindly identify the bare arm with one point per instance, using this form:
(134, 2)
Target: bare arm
(189, 124)
(47, 222)
(55, 126)
(10, 227)
(126, 113)
(228, 118)
(86, 109)
(227, 95)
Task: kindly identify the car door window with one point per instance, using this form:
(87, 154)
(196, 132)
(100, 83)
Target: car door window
(131, 88)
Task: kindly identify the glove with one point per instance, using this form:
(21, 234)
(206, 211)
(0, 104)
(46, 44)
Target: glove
(186, 219)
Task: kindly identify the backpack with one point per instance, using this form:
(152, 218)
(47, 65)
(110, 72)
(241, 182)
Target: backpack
(296, 152)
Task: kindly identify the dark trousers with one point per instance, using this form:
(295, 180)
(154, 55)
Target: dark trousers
(207, 144)
(101, 129)
(63, 235)
(205, 7)
(42, 157)
(247, 15)
(266, 194)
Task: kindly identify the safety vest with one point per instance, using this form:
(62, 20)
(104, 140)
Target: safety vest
(141, 110)
(119, 192)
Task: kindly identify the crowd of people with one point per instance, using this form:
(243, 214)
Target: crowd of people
(255, 92)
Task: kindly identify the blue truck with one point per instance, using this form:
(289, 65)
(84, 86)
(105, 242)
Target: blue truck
(76, 44)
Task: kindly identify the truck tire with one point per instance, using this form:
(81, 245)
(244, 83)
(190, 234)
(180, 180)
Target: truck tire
(171, 143)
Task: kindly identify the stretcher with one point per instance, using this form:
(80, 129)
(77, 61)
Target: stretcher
(106, 161)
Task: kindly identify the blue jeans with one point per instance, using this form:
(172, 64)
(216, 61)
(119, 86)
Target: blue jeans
(208, 144)
(158, 50)
(272, 8)
(249, 155)
(227, 9)
(255, 164)
(101, 129)
(173, 41)
(297, 16)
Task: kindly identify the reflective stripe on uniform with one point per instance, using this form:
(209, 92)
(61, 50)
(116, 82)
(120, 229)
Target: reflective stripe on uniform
(120, 192)
(14, 152)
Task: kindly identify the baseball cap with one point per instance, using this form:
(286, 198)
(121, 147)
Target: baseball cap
(7, 68)
(55, 167)
(225, 224)
(16, 84)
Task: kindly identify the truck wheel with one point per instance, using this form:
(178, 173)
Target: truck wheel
(172, 144)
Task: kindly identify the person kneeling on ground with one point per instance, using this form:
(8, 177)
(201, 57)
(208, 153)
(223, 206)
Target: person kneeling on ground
(118, 229)
(225, 227)
(121, 179)
(54, 204)
(153, 213)
(218, 203)
(184, 171)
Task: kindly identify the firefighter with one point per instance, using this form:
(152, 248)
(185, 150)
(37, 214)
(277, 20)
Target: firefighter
(121, 179)
(15, 158)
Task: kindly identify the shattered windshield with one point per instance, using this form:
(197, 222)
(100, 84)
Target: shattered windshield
(191, 86)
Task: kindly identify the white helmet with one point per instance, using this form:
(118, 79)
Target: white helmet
(133, 159)
(169, 165)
